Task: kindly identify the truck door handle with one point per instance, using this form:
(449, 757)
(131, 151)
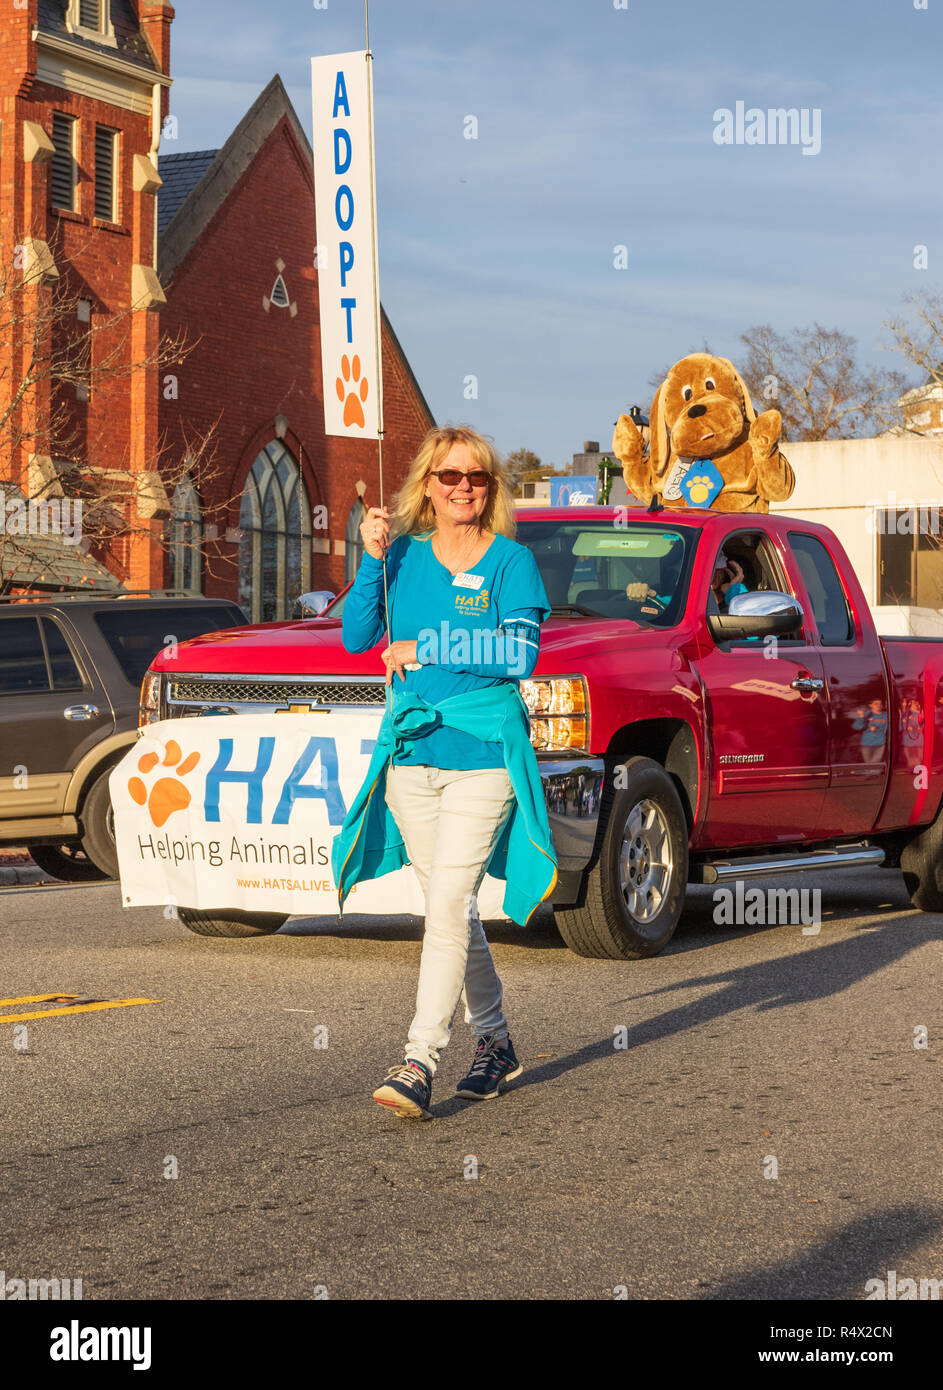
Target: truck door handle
(807, 684)
(81, 712)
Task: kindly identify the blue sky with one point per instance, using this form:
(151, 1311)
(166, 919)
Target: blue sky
(596, 129)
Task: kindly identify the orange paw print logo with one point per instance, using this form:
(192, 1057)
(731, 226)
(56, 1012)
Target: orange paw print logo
(166, 795)
(352, 393)
(699, 488)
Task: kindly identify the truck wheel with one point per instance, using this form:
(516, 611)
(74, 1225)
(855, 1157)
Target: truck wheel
(67, 862)
(97, 821)
(634, 892)
(921, 860)
(234, 923)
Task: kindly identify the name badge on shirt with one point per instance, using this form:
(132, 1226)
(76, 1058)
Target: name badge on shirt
(468, 581)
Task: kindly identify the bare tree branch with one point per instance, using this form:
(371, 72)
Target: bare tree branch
(918, 337)
(66, 347)
(813, 377)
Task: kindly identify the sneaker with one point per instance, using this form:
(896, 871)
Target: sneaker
(495, 1064)
(407, 1089)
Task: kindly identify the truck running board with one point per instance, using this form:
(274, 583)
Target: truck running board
(844, 857)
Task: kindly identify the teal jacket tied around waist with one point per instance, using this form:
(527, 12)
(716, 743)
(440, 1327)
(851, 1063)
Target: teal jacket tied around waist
(369, 843)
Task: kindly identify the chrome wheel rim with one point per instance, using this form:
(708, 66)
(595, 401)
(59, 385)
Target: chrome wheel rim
(646, 862)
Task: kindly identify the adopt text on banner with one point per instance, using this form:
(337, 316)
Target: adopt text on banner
(343, 179)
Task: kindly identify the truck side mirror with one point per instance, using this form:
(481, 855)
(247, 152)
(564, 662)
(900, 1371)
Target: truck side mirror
(756, 615)
(312, 605)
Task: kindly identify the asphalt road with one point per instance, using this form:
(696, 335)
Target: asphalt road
(638, 1168)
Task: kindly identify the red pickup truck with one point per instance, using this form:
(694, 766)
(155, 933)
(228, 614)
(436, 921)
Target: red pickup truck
(680, 739)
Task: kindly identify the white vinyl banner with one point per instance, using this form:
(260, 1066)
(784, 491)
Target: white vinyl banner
(240, 811)
(345, 256)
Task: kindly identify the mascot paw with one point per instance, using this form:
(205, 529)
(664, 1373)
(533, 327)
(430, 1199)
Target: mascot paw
(765, 432)
(627, 441)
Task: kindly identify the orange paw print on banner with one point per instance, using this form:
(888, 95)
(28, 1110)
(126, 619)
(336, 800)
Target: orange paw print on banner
(353, 410)
(166, 795)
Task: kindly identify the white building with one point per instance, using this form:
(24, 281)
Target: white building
(883, 498)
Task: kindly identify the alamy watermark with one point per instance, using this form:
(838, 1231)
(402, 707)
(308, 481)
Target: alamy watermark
(78, 1343)
(447, 645)
(775, 126)
(14, 1290)
(55, 516)
(894, 1287)
(767, 907)
(906, 517)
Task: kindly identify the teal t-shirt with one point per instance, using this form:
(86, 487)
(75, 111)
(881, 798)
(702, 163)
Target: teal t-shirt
(472, 630)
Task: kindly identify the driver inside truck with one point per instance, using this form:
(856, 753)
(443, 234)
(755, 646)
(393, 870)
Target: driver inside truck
(661, 584)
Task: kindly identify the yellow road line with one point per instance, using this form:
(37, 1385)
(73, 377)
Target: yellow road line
(75, 1009)
(37, 998)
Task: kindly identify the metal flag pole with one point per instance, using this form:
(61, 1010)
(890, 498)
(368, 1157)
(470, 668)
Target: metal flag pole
(376, 295)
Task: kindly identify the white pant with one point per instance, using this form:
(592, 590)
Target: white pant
(450, 820)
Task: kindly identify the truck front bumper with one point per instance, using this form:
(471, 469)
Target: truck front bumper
(572, 793)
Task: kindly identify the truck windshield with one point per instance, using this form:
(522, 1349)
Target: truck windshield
(638, 571)
(588, 566)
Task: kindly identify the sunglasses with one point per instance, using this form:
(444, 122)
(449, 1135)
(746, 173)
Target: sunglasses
(451, 477)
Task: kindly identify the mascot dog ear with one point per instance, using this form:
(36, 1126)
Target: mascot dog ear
(659, 447)
(748, 410)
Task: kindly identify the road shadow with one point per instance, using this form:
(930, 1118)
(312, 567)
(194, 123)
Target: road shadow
(540, 934)
(811, 972)
(840, 1267)
(843, 899)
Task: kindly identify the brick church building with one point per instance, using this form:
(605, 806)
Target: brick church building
(217, 460)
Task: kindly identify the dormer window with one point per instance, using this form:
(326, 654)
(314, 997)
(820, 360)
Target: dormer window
(92, 20)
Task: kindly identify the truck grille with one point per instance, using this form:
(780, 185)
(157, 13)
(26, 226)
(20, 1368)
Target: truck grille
(277, 692)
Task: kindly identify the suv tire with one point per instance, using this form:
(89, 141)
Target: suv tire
(634, 892)
(63, 862)
(98, 826)
(235, 922)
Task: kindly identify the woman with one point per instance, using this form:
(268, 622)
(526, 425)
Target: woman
(453, 756)
(727, 581)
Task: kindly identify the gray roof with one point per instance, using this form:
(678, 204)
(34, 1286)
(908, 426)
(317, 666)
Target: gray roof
(205, 198)
(181, 173)
(132, 45)
(46, 562)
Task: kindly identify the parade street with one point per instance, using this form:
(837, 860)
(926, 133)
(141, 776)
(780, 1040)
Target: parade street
(753, 1114)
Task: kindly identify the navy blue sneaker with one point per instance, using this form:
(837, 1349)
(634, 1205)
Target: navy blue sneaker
(407, 1089)
(495, 1064)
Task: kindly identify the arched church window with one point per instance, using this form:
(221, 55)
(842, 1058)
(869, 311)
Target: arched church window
(275, 549)
(186, 539)
(353, 550)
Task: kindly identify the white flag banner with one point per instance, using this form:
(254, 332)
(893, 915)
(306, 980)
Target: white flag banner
(240, 811)
(345, 257)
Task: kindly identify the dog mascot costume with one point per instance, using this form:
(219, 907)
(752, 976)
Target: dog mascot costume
(709, 448)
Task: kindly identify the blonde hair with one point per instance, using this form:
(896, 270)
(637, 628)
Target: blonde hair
(413, 510)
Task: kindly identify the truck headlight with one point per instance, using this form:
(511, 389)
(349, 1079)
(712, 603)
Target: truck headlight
(559, 712)
(149, 710)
